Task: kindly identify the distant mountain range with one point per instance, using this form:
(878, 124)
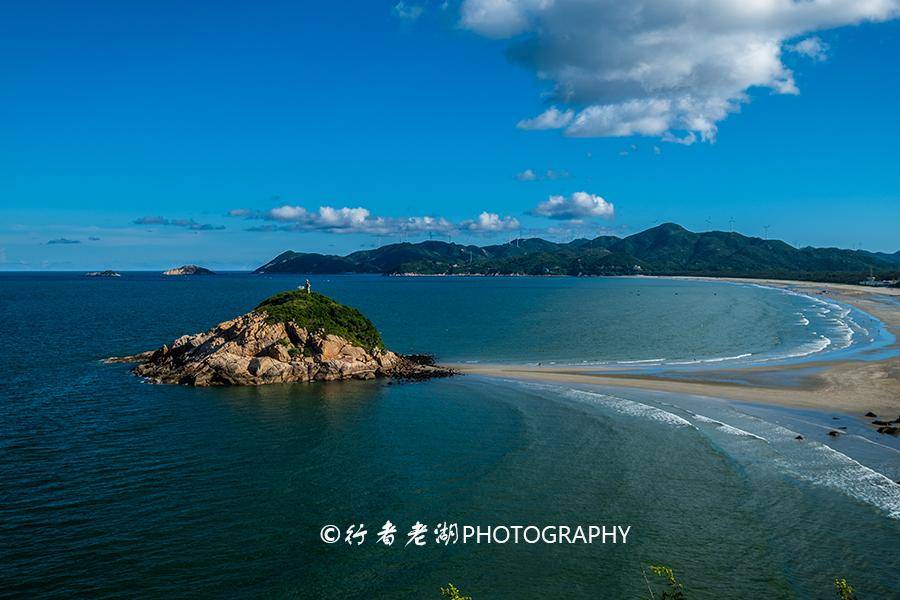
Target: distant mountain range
(668, 249)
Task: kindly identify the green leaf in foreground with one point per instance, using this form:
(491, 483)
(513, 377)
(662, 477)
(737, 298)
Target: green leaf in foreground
(844, 591)
(452, 592)
(316, 312)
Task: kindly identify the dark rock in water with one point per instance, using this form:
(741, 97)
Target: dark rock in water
(799, 437)
(842, 428)
(834, 433)
(835, 418)
(880, 422)
(422, 359)
(871, 414)
(264, 347)
(889, 430)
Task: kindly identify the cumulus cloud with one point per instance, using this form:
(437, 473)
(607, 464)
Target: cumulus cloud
(63, 241)
(666, 68)
(186, 223)
(361, 220)
(552, 118)
(578, 206)
(526, 175)
(490, 223)
(326, 218)
(811, 47)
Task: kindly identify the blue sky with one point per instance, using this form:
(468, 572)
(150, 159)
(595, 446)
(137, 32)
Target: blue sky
(172, 115)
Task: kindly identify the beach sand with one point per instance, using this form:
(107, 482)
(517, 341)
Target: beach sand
(851, 386)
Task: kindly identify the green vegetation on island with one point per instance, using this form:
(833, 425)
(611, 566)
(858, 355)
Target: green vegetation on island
(668, 249)
(315, 312)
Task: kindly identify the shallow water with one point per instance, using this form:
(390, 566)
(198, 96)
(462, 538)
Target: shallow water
(112, 487)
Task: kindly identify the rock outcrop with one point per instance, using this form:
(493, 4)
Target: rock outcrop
(254, 350)
(188, 270)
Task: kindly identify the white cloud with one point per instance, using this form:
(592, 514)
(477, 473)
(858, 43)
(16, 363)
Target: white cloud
(552, 118)
(672, 68)
(811, 47)
(495, 18)
(342, 217)
(580, 205)
(409, 12)
(327, 218)
(551, 174)
(491, 222)
(288, 213)
(686, 140)
(361, 220)
(424, 225)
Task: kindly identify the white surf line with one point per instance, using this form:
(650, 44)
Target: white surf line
(620, 405)
(731, 429)
(844, 474)
(637, 362)
(844, 312)
(631, 407)
(887, 492)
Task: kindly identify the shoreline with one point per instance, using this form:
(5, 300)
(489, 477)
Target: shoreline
(852, 386)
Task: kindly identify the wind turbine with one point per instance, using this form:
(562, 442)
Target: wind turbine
(766, 230)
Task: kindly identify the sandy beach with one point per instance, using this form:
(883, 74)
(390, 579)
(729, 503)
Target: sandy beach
(852, 386)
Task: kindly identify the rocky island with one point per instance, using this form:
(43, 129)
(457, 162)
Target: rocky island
(188, 270)
(294, 336)
(107, 273)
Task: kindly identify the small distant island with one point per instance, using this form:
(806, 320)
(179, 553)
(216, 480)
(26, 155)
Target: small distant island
(293, 336)
(189, 270)
(103, 274)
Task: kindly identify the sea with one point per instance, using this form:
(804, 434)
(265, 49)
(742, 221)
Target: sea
(111, 487)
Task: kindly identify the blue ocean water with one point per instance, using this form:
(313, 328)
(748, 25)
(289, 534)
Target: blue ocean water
(110, 487)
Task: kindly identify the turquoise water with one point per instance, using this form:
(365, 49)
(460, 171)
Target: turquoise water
(110, 487)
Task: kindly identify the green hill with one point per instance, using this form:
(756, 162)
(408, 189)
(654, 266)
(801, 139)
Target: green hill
(316, 312)
(667, 249)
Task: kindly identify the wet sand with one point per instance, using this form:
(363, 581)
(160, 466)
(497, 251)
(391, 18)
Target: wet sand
(853, 386)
